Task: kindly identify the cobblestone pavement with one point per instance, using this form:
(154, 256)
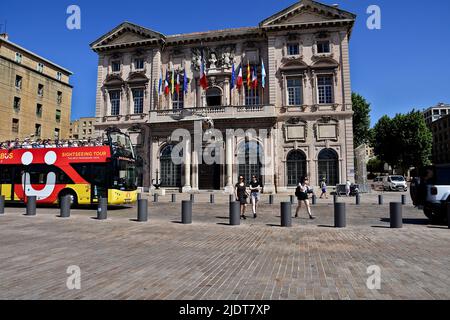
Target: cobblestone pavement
(163, 259)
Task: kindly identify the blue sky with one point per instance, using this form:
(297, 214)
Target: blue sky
(404, 65)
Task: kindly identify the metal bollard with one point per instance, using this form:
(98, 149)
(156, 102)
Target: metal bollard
(380, 199)
(358, 199)
(31, 206)
(65, 206)
(403, 200)
(2, 204)
(314, 199)
(186, 212)
(396, 215)
(271, 199)
(174, 198)
(286, 214)
(340, 218)
(212, 198)
(142, 210)
(235, 213)
(155, 198)
(102, 210)
(193, 198)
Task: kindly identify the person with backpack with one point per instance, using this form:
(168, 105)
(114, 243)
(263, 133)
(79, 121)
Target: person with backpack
(302, 195)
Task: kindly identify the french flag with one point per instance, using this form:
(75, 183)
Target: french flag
(203, 78)
(166, 84)
(239, 78)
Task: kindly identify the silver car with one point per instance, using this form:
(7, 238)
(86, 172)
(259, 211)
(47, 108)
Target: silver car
(395, 183)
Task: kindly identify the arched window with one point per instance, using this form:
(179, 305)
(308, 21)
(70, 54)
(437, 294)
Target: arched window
(213, 97)
(329, 166)
(250, 160)
(170, 174)
(296, 167)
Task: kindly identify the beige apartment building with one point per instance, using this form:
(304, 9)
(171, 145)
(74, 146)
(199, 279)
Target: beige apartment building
(35, 95)
(304, 108)
(83, 129)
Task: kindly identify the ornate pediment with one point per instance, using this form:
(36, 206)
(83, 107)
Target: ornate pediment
(307, 11)
(127, 34)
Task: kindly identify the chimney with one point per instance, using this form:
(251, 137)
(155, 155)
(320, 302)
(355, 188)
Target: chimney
(4, 36)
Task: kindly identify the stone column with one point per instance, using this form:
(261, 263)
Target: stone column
(187, 166)
(269, 163)
(229, 163)
(194, 170)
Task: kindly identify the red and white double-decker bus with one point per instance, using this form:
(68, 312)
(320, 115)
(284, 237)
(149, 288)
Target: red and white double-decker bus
(84, 173)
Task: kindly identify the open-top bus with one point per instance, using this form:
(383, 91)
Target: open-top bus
(84, 173)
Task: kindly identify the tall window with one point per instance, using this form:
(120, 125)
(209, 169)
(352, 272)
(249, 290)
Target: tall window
(251, 96)
(37, 130)
(250, 159)
(323, 47)
(56, 134)
(18, 57)
(170, 174)
(59, 76)
(115, 102)
(139, 64)
(178, 100)
(58, 116)
(39, 110)
(138, 98)
(40, 67)
(16, 104)
(329, 166)
(40, 90)
(59, 97)
(325, 89)
(294, 90)
(18, 82)
(15, 125)
(293, 49)
(296, 167)
(115, 66)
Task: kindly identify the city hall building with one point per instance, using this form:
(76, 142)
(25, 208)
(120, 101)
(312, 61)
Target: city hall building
(289, 77)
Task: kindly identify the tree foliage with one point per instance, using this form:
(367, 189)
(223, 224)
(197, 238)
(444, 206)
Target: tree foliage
(404, 141)
(361, 120)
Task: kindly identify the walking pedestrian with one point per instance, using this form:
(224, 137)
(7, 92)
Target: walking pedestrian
(348, 188)
(241, 195)
(302, 195)
(255, 189)
(323, 186)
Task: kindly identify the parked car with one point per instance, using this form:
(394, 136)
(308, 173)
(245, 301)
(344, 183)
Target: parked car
(377, 184)
(395, 183)
(433, 192)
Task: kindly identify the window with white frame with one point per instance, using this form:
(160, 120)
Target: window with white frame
(40, 90)
(59, 76)
(293, 49)
(323, 47)
(139, 64)
(325, 89)
(138, 98)
(294, 91)
(40, 67)
(116, 66)
(114, 97)
(18, 57)
(18, 82)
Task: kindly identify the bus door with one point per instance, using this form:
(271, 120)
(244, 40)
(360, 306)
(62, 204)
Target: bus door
(6, 182)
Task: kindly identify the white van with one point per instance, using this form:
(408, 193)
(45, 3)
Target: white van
(394, 183)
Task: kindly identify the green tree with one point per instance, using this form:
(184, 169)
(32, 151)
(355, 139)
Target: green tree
(404, 141)
(375, 165)
(361, 120)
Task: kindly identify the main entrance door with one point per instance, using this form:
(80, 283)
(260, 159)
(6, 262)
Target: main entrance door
(209, 177)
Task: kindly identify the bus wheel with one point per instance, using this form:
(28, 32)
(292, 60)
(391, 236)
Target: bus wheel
(73, 196)
(435, 217)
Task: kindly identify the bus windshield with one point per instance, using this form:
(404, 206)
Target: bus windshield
(121, 145)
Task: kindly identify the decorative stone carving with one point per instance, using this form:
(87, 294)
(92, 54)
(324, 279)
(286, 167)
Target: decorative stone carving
(212, 61)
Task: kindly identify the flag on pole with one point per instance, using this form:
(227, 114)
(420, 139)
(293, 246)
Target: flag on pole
(172, 82)
(177, 88)
(160, 84)
(166, 84)
(239, 78)
(249, 77)
(233, 77)
(263, 74)
(185, 81)
(203, 78)
(254, 79)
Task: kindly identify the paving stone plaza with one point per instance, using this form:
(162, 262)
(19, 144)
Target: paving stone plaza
(163, 259)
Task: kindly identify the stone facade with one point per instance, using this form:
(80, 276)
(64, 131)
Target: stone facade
(35, 95)
(83, 129)
(305, 107)
(441, 140)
